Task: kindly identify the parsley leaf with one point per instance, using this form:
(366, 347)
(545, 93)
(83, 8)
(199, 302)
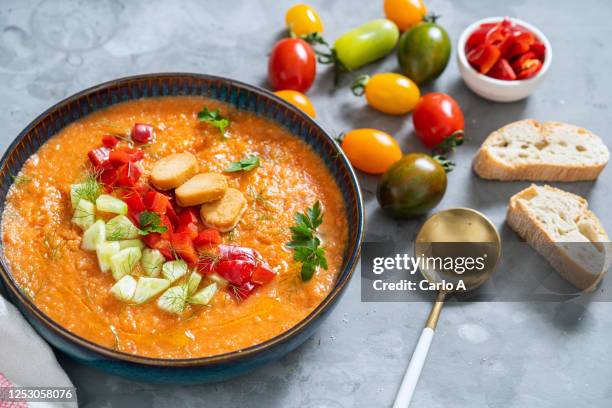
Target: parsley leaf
(215, 119)
(247, 164)
(150, 222)
(305, 243)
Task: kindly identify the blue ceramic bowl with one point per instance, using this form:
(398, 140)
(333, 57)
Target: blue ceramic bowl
(244, 97)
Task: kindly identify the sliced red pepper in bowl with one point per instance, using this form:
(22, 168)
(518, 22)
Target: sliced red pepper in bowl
(521, 43)
(502, 70)
(527, 65)
(483, 57)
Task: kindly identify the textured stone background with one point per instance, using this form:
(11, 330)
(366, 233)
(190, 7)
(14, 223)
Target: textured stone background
(484, 355)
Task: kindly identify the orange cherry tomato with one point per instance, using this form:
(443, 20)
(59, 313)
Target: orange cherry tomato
(302, 19)
(405, 13)
(371, 150)
(390, 93)
(299, 100)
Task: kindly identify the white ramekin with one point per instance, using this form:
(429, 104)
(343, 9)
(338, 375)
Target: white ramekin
(496, 89)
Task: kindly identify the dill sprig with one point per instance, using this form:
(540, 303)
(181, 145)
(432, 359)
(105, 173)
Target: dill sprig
(89, 189)
(305, 243)
(20, 179)
(53, 245)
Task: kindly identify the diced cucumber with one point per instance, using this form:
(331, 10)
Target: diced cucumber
(93, 236)
(84, 215)
(204, 296)
(124, 261)
(148, 288)
(173, 270)
(110, 204)
(174, 299)
(120, 228)
(105, 250)
(129, 243)
(193, 282)
(74, 195)
(218, 279)
(124, 288)
(152, 261)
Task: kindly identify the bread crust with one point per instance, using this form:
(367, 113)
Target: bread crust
(488, 166)
(520, 219)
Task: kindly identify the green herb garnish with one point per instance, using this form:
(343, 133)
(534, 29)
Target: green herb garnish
(215, 119)
(151, 222)
(89, 189)
(305, 242)
(247, 164)
(21, 179)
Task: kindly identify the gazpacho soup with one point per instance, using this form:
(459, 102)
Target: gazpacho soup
(175, 227)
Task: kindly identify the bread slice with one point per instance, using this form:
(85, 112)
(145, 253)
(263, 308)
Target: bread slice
(561, 228)
(549, 151)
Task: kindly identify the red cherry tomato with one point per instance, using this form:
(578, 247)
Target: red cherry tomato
(292, 65)
(436, 117)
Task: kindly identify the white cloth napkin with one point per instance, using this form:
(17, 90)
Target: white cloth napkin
(25, 359)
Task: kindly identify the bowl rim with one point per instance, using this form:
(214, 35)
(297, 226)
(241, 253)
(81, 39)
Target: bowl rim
(500, 82)
(344, 275)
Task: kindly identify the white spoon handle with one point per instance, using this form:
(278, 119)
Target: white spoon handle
(404, 395)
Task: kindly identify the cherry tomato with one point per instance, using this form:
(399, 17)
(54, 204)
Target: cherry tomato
(292, 65)
(302, 19)
(391, 93)
(299, 100)
(371, 150)
(436, 117)
(405, 13)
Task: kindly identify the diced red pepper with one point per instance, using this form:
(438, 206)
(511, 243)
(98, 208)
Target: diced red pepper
(187, 216)
(134, 202)
(142, 133)
(168, 224)
(99, 156)
(182, 244)
(136, 155)
(110, 141)
(152, 240)
(235, 252)
(236, 272)
(502, 70)
(207, 237)
(108, 177)
(527, 65)
(483, 57)
(262, 275)
(241, 292)
(157, 202)
(128, 174)
(189, 229)
(499, 34)
(119, 157)
(171, 213)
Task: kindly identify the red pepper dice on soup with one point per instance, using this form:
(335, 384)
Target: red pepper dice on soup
(505, 50)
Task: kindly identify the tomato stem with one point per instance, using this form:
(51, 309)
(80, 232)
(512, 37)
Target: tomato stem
(359, 84)
(446, 164)
(449, 143)
(431, 18)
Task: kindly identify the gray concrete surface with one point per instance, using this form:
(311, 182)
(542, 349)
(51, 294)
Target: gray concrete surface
(484, 354)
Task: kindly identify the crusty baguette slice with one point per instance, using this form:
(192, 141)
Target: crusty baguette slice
(560, 227)
(549, 151)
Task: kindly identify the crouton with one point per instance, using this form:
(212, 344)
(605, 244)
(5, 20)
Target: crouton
(172, 171)
(225, 213)
(201, 188)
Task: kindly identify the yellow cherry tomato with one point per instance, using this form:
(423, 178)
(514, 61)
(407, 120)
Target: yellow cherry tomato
(405, 13)
(299, 100)
(390, 93)
(302, 19)
(371, 150)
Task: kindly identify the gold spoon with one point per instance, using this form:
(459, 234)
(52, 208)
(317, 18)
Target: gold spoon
(455, 225)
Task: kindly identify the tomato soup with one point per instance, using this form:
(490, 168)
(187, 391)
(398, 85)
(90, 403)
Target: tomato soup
(44, 247)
